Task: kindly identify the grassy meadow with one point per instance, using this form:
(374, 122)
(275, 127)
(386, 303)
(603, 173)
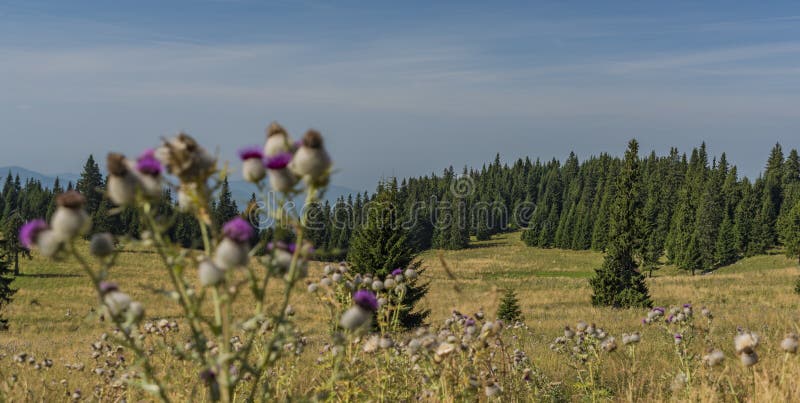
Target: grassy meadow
(52, 317)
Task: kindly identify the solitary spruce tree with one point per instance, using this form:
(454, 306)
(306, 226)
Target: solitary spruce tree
(381, 245)
(509, 310)
(618, 282)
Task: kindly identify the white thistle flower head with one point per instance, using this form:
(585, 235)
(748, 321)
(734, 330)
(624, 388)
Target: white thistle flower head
(117, 302)
(679, 382)
(609, 344)
(745, 339)
(748, 357)
(568, 333)
(714, 357)
(789, 343)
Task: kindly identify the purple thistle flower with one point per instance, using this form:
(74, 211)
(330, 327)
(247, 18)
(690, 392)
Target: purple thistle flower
(659, 309)
(670, 318)
(247, 153)
(644, 321)
(469, 322)
(279, 161)
(147, 163)
(397, 272)
(678, 336)
(687, 305)
(107, 287)
(366, 299)
(29, 231)
(238, 229)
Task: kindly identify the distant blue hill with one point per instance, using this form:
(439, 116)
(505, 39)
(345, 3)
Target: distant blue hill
(25, 174)
(240, 189)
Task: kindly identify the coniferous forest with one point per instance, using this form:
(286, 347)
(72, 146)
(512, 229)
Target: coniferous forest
(693, 210)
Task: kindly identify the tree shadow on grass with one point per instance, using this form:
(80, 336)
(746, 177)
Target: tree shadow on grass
(493, 243)
(48, 275)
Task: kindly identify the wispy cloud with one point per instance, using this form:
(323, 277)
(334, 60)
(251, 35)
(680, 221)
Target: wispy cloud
(710, 56)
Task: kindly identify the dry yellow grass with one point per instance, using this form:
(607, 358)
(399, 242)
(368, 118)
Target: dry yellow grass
(51, 317)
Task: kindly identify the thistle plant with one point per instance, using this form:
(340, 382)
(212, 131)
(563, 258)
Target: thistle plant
(231, 350)
(685, 333)
(338, 287)
(585, 348)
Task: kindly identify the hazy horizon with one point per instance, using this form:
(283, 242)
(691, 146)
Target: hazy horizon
(398, 90)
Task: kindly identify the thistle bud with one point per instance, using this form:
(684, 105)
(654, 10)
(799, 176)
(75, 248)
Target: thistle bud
(745, 340)
(492, 389)
(148, 171)
(209, 274)
(49, 243)
(252, 164)
(234, 249)
(277, 140)
(101, 245)
(136, 311)
(121, 184)
(70, 219)
(117, 302)
(311, 161)
(714, 357)
(230, 254)
(609, 344)
(748, 357)
(281, 179)
(355, 317)
(37, 234)
(789, 343)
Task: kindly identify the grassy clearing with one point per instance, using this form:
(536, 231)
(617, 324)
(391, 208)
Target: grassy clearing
(52, 315)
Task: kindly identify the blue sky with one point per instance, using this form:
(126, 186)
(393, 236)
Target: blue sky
(398, 88)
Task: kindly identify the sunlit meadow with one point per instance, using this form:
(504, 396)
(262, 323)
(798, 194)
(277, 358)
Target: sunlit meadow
(54, 318)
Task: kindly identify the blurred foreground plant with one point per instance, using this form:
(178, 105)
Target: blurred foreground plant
(226, 346)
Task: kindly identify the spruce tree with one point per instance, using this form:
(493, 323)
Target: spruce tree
(725, 248)
(6, 292)
(381, 245)
(225, 208)
(509, 310)
(791, 232)
(91, 185)
(13, 248)
(618, 282)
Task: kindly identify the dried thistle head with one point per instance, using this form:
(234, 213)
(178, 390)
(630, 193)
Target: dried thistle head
(115, 162)
(313, 139)
(71, 199)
